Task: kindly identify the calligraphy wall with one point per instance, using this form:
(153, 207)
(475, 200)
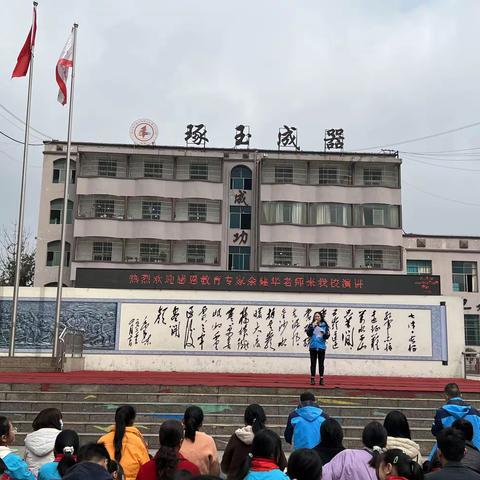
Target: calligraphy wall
(246, 332)
(275, 329)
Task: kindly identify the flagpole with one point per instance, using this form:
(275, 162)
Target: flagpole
(58, 305)
(19, 244)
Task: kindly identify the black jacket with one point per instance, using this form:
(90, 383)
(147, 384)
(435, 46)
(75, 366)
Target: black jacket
(88, 471)
(454, 471)
(327, 453)
(472, 457)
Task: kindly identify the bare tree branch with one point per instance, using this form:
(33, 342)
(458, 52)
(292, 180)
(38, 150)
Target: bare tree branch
(8, 249)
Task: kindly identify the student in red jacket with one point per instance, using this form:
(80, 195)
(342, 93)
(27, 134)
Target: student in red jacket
(168, 459)
(396, 465)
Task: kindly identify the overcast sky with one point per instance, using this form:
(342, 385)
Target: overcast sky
(384, 70)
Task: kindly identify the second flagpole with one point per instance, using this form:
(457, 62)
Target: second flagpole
(58, 305)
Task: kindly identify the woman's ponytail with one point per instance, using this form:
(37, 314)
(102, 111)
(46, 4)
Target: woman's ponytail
(124, 417)
(67, 444)
(170, 437)
(68, 460)
(192, 420)
(255, 416)
(417, 471)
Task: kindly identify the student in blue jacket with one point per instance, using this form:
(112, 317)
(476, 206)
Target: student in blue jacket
(15, 467)
(456, 408)
(318, 332)
(303, 424)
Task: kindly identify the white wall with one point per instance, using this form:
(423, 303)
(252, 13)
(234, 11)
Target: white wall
(342, 363)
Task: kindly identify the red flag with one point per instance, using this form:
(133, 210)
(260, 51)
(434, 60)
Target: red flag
(25, 55)
(64, 63)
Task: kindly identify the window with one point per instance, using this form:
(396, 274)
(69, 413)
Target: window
(59, 171)
(282, 256)
(283, 174)
(240, 217)
(199, 171)
(284, 212)
(53, 254)
(239, 258)
(197, 212)
(107, 167)
(56, 207)
(102, 251)
(464, 276)
(241, 178)
(152, 170)
(372, 176)
(377, 215)
(151, 210)
(151, 253)
(419, 267)
(373, 258)
(330, 214)
(472, 330)
(327, 257)
(327, 175)
(196, 253)
(104, 208)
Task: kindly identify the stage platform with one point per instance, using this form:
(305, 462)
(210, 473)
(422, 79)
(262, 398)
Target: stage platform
(233, 380)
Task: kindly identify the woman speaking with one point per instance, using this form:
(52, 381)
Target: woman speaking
(318, 331)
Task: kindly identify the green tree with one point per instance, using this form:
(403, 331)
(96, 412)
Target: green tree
(8, 247)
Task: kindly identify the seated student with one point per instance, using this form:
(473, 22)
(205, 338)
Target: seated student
(197, 446)
(455, 408)
(39, 443)
(125, 443)
(168, 461)
(66, 448)
(355, 464)
(394, 464)
(303, 424)
(331, 435)
(92, 463)
(399, 436)
(262, 463)
(13, 465)
(240, 443)
(451, 450)
(472, 455)
(304, 464)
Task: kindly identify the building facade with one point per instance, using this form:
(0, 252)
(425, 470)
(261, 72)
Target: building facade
(193, 208)
(219, 209)
(456, 260)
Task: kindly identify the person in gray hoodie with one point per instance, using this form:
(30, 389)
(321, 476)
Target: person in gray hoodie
(40, 443)
(240, 443)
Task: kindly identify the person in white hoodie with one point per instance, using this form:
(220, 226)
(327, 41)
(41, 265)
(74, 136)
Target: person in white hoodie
(399, 436)
(40, 443)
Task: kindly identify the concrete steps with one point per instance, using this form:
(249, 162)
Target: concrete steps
(27, 364)
(89, 409)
